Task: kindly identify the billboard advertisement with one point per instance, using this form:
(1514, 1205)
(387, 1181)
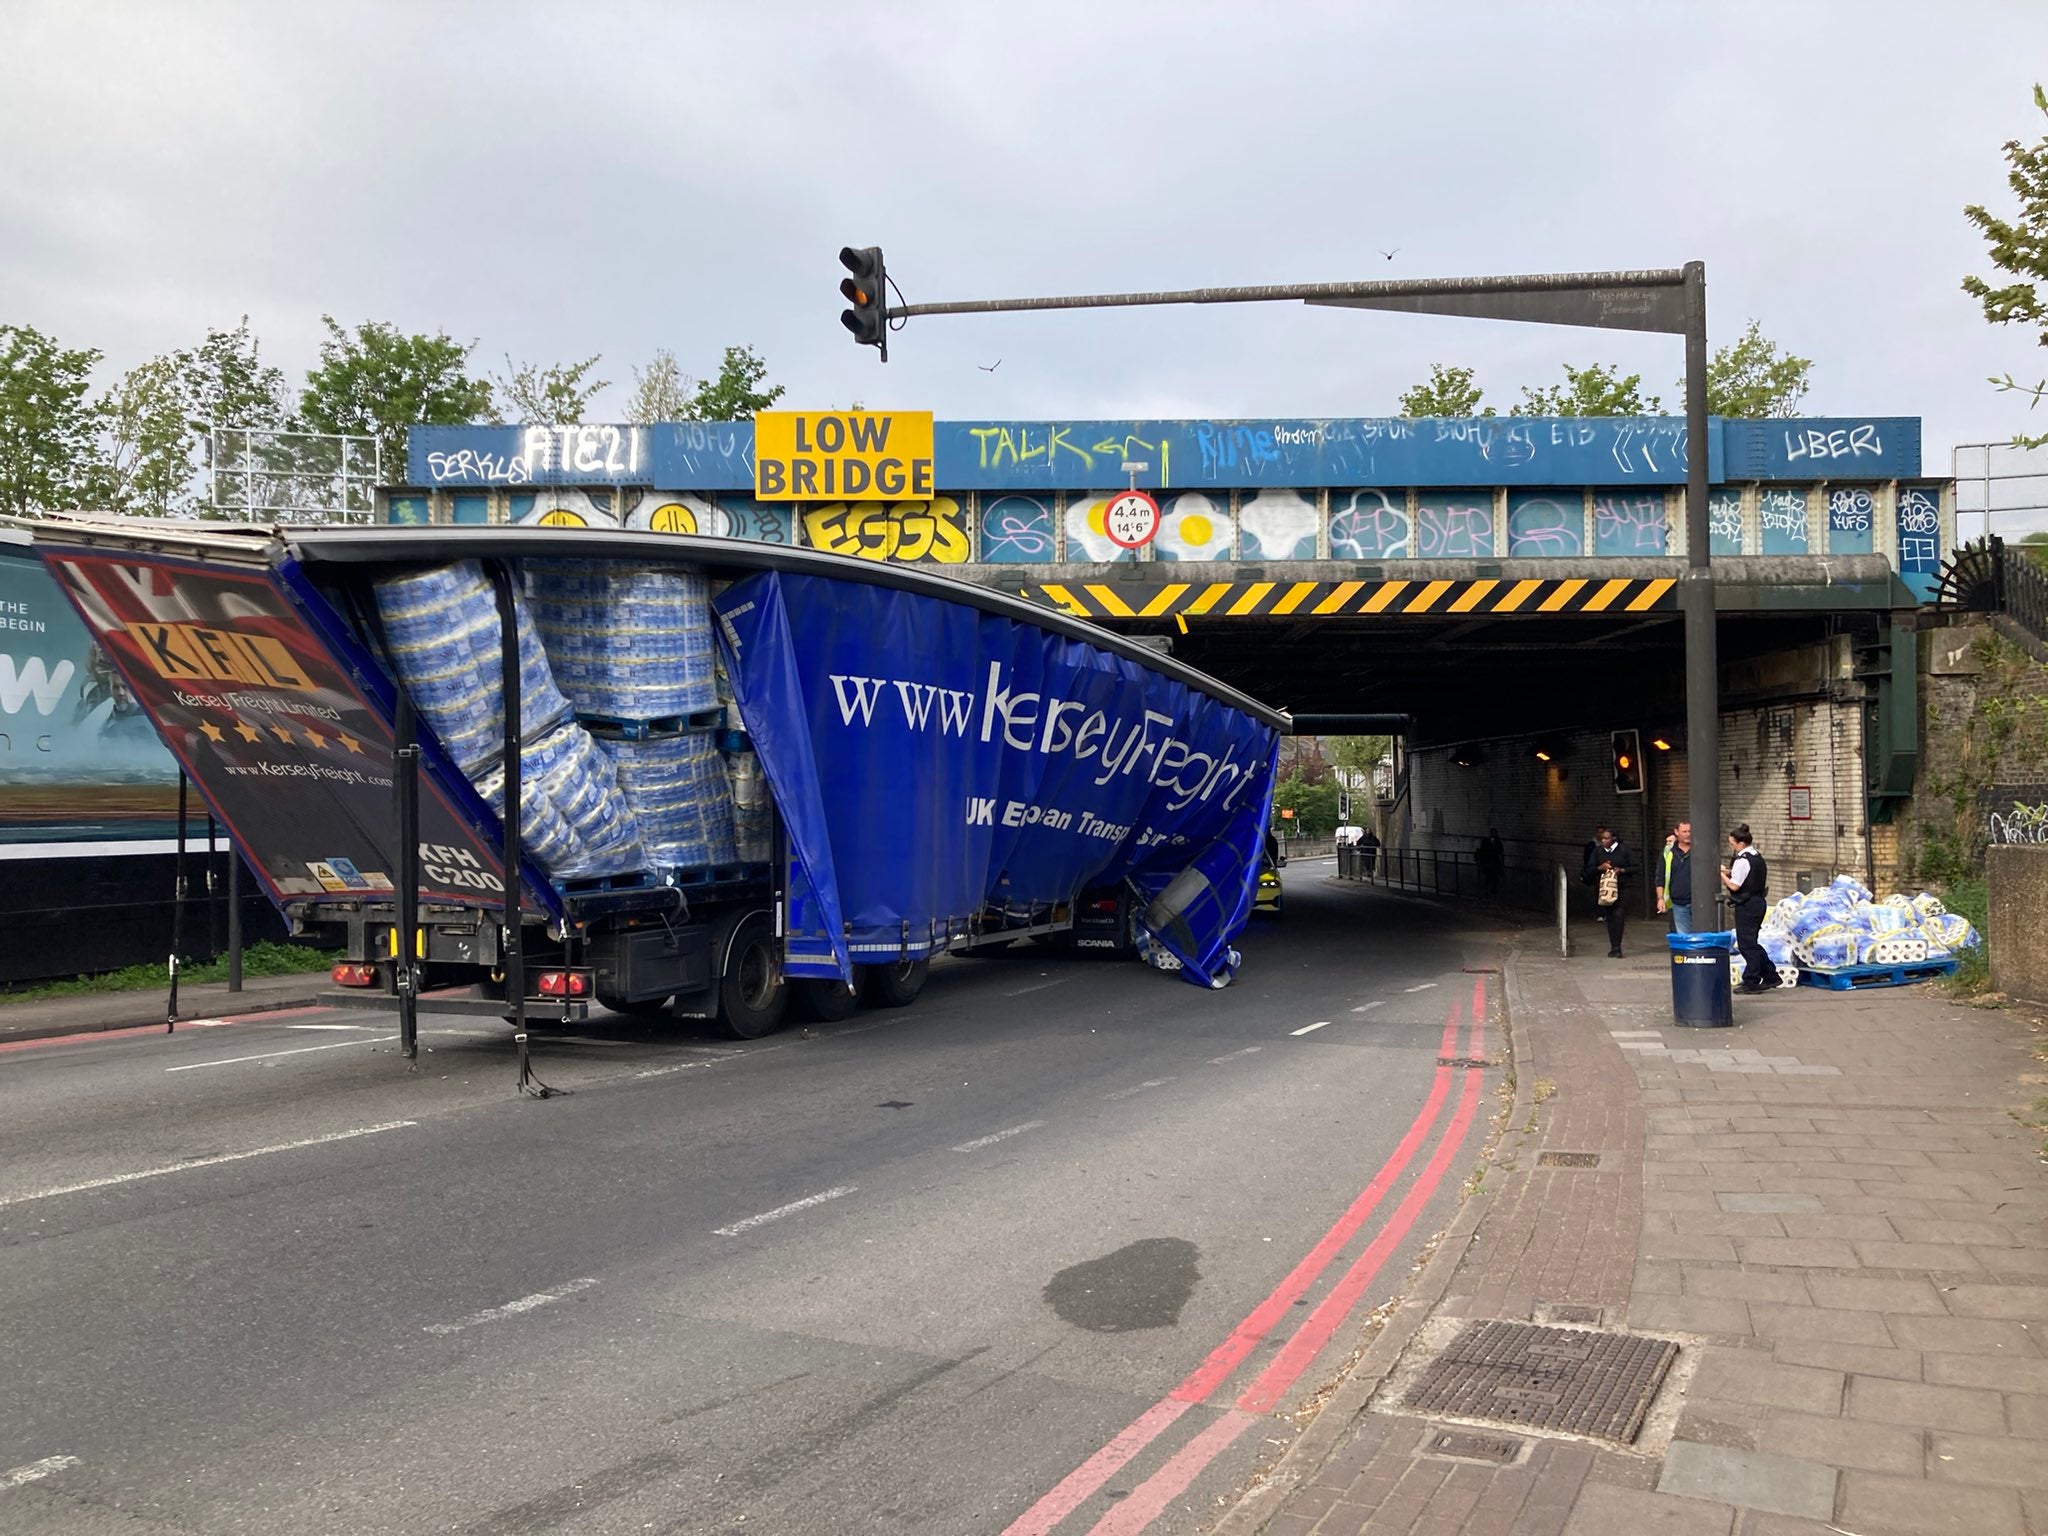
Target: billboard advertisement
(81, 770)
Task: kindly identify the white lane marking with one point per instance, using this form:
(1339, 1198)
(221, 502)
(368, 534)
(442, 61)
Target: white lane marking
(36, 1471)
(1368, 1007)
(1423, 988)
(988, 1141)
(785, 1210)
(230, 1061)
(1309, 1029)
(1250, 1050)
(1329, 861)
(1132, 1093)
(331, 1026)
(207, 1023)
(205, 1162)
(511, 1308)
(1040, 986)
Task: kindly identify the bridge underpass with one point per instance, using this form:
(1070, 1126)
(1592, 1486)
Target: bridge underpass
(1513, 675)
(1466, 649)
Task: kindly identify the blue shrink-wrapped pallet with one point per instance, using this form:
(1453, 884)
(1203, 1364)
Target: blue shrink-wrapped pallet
(677, 791)
(573, 820)
(442, 629)
(627, 642)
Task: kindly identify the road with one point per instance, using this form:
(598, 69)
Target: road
(1063, 1247)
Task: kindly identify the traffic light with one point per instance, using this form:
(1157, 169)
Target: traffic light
(867, 292)
(1628, 763)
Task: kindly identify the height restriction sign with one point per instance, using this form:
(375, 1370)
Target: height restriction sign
(1131, 519)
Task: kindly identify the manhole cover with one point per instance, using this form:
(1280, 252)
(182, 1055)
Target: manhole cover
(1567, 1159)
(1596, 1384)
(1471, 1445)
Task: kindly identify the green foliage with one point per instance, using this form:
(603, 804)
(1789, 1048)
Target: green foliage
(264, 959)
(1314, 803)
(377, 381)
(2035, 546)
(554, 396)
(1752, 378)
(1598, 390)
(661, 391)
(1970, 897)
(736, 394)
(1359, 755)
(1447, 392)
(2019, 247)
(154, 416)
(46, 422)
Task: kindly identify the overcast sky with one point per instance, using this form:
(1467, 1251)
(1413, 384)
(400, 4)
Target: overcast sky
(554, 180)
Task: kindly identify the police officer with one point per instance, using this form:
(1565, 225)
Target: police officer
(1747, 878)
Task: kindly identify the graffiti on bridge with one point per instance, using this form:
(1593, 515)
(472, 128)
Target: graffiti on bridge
(1017, 530)
(913, 531)
(1543, 526)
(1629, 523)
(1782, 517)
(1453, 528)
(1724, 522)
(1371, 526)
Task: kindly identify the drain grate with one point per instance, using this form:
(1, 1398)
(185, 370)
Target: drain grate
(1471, 1445)
(1597, 1384)
(1567, 1159)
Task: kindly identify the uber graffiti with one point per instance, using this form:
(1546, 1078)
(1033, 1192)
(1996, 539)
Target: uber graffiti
(1840, 443)
(934, 530)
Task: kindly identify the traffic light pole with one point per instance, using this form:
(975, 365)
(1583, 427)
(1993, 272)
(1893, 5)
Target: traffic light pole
(1696, 603)
(1672, 301)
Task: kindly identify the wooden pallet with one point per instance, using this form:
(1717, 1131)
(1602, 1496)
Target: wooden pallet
(1852, 978)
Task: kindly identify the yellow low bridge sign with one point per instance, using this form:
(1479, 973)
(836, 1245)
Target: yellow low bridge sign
(842, 455)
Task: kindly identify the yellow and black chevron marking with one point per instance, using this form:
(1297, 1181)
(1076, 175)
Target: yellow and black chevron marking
(1341, 599)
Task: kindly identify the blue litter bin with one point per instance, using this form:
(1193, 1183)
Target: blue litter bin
(1701, 986)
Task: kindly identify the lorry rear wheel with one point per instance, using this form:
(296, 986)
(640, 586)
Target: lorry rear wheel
(752, 997)
(894, 986)
(826, 1002)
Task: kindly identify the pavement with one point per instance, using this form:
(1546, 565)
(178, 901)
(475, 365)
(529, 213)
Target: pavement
(1831, 1208)
(98, 1012)
(1067, 1246)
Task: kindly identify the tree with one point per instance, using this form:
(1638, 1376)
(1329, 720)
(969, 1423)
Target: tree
(377, 381)
(2035, 547)
(554, 396)
(46, 422)
(736, 394)
(1359, 755)
(1751, 378)
(2019, 247)
(1447, 392)
(227, 383)
(145, 457)
(1314, 805)
(1598, 390)
(661, 391)
(153, 418)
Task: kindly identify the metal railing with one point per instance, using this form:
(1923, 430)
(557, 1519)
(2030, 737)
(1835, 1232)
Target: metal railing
(1452, 873)
(2023, 589)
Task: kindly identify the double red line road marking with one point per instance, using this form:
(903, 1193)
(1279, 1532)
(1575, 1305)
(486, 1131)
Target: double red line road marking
(1151, 1497)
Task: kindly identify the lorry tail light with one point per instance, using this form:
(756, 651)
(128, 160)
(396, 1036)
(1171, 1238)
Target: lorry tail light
(565, 983)
(354, 973)
(1103, 904)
